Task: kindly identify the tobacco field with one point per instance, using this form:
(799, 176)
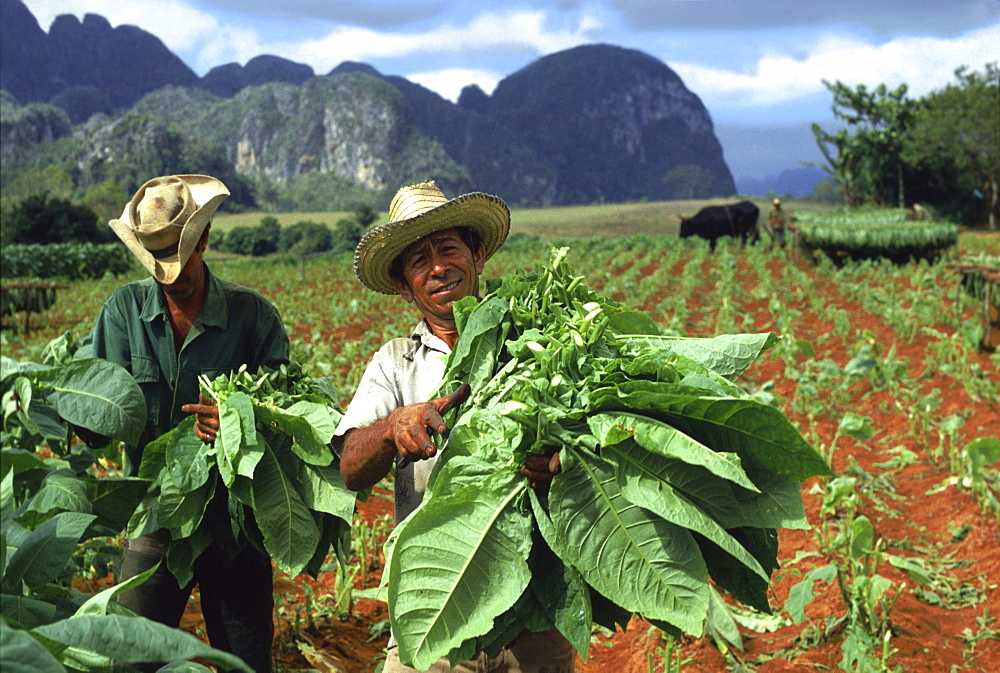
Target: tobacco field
(878, 366)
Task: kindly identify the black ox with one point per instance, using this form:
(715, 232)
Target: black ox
(711, 222)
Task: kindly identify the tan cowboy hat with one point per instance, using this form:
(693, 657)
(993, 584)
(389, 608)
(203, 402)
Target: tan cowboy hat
(419, 210)
(163, 222)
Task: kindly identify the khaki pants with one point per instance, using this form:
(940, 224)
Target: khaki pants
(546, 652)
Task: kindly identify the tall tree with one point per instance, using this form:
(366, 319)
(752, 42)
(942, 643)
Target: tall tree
(865, 156)
(957, 132)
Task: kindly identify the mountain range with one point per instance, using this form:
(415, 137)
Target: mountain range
(597, 123)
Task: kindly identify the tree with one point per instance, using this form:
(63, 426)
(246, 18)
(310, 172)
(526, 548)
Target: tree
(365, 215)
(956, 135)
(255, 241)
(865, 157)
(829, 191)
(303, 238)
(346, 235)
(107, 200)
(41, 219)
(52, 181)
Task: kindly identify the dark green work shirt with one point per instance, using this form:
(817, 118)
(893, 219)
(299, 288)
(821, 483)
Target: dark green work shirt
(236, 326)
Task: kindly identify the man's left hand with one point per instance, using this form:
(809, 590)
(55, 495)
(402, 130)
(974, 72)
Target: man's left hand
(541, 469)
(206, 421)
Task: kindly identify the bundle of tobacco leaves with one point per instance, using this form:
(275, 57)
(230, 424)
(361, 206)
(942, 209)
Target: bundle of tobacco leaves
(672, 476)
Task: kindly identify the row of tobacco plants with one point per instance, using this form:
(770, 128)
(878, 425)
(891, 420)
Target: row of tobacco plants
(877, 366)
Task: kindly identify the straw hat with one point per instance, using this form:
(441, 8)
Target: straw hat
(163, 222)
(419, 210)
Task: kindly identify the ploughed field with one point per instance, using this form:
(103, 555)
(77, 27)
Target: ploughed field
(878, 367)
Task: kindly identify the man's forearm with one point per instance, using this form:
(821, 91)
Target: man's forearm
(367, 454)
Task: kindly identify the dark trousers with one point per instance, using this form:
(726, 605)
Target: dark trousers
(237, 599)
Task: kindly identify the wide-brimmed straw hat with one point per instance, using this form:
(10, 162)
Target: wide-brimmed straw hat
(419, 210)
(163, 222)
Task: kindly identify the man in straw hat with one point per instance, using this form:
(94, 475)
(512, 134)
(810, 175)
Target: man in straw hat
(776, 220)
(166, 330)
(431, 253)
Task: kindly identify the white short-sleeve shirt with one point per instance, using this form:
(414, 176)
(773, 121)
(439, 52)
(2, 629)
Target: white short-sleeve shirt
(404, 371)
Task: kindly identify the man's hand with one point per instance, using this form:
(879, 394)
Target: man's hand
(409, 425)
(206, 421)
(541, 469)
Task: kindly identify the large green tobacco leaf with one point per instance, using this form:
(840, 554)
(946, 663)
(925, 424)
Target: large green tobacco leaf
(641, 476)
(182, 511)
(10, 369)
(486, 434)
(43, 555)
(143, 520)
(25, 613)
(113, 501)
(475, 354)
(133, 640)
(756, 431)
(634, 557)
(728, 355)
(187, 457)
(458, 562)
(181, 554)
(779, 507)
(101, 603)
(733, 576)
(310, 424)
(322, 489)
(238, 441)
(23, 654)
(631, 322)
(289, 530)
(562, 590)
(98, 395)
(38, 417)
(615, 427)
(59, 493)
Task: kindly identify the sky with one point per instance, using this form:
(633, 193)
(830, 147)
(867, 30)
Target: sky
(752, 63)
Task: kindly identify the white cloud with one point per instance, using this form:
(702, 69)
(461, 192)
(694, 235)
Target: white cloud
(232, 45)
(514, 30)
(450, 82)
(923, 63)
(179, 25)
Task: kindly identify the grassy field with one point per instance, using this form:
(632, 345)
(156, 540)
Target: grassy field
(601, 221)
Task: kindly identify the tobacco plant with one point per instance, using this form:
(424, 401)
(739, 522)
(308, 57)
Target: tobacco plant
(49, 506)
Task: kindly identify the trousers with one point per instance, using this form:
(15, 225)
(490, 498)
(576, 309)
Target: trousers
(545, 652)
(237, 599)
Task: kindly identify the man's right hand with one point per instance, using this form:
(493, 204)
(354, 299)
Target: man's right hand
(206, 420)
(409, 425)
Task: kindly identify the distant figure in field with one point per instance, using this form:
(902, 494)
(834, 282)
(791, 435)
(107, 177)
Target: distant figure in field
(918, 213)
(776, 221)
(713, 222)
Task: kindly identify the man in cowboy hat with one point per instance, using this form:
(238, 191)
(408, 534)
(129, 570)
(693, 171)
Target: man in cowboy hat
(431, 253)
(168, 329)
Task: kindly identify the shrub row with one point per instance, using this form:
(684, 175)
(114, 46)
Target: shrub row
(72, 261)
(301, 238)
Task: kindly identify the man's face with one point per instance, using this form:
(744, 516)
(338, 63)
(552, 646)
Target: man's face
(191, 277)
(440, 269)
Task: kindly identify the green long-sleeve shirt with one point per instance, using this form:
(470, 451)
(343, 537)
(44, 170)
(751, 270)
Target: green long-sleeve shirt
(236, 326)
